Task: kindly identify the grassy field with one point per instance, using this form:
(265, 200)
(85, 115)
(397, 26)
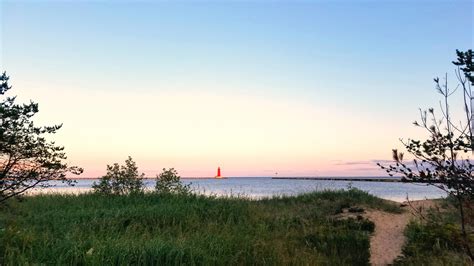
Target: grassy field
(192, 230)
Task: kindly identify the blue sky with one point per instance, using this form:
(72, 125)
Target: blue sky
(296, 82)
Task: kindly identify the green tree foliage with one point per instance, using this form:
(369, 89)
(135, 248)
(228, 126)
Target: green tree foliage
(465, 64)
(120, 179)
(444, 160)
(169, 182)
(27, 158)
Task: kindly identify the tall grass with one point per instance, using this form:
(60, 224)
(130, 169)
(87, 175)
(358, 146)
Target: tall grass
(185, 229)
(436, 239)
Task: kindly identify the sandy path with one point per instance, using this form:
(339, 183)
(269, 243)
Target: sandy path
(387, 241)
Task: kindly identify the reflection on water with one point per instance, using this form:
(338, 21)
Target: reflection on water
(258, 187)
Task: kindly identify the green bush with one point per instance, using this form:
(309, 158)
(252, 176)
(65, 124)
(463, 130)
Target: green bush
(120, 179)
(436, 240)
(169, 182)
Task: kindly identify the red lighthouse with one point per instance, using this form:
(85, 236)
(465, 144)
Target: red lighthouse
(219, 173)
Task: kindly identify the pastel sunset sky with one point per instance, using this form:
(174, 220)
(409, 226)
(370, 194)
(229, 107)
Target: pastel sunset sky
(302, 88)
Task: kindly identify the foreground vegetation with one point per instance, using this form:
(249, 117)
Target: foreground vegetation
(187, 229)
(444, 158)
(435, 238)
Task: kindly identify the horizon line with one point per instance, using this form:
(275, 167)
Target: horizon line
(276, 177)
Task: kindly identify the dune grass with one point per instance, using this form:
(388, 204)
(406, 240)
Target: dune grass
(186, 229)
(436, 239)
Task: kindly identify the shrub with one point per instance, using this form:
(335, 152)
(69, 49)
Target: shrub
(444, 159)
(120, 179)
(168, 182)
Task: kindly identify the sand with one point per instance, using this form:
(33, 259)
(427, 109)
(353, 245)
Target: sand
(387, 241)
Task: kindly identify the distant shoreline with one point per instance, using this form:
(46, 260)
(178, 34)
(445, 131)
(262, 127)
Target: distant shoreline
(340, 178)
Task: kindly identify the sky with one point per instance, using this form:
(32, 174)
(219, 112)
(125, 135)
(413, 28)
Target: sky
(298, 88)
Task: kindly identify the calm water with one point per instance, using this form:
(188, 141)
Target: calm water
(258, 187)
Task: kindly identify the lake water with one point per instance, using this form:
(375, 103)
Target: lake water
(258, 187)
